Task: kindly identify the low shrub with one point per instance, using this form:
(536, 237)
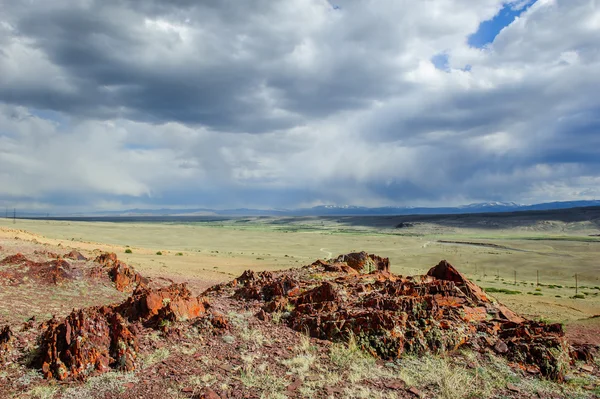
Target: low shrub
(502, 291)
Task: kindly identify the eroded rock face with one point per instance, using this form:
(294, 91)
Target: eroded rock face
(75, 255)
(153, 306)
(393, 315)
(55, 271)
(364, 262)
(105, 337)
(21, 269)
(96, 339)
(123, 275)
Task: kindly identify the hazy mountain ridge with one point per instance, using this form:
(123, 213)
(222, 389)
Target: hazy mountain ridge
(332, 210)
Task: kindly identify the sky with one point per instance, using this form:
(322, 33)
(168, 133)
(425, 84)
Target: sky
(117, 104)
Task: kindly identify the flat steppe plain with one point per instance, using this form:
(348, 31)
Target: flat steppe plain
(494, 250)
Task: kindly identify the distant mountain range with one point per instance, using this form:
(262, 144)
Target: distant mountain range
(334, 210)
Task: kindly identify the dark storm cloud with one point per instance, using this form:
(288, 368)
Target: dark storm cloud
(227, 103)
(116, 72)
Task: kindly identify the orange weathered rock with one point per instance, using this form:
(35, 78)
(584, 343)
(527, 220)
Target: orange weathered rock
(360, 261)
(52, 272)
(393, 315)
(445, 271)
(104, 337)
(93, 339)
(75, 255)
(172, 303)
(123, 275)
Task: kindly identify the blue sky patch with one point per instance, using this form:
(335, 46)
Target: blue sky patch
(440, 61)
(488, 30)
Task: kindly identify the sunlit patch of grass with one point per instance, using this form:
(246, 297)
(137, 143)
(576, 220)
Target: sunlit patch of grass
(362, 392)
(252, 335)
(450, 382)
(305, 357)
(262, 379)
(100, 386)
(155, 357)
(488, 375)
(351, 359)
(43, 392)
(29, 377)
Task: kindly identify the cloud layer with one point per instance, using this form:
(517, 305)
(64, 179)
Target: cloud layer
(118, 103)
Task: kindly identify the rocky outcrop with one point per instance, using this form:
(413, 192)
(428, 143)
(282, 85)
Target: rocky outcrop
(153, 307)
(364, 262)
(21, 269)
(105, 337)
(123, 275)
(94, 339)
(75, 255)
(55, 271)
(390, 316)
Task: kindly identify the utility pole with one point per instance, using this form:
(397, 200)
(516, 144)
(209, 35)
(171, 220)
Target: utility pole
(575, 283)
(515, 277)
(14, 215)
(538, 278)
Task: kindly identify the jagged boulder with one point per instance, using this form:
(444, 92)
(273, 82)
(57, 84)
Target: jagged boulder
(21, 269)
(153, 306)
(105, 337)
(123, 275)
(362, 261)
(75, 255)
(55, 271)
(93, 339)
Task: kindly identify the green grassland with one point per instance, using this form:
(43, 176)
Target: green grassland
(503, 255)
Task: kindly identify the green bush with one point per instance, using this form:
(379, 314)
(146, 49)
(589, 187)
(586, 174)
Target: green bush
(578, 296)
(538, 294)
(159, 253)
(128, 251)
(179, 254)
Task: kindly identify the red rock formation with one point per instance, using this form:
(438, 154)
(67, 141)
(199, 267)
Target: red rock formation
(51, 272)
(75, 255)
(124, 276)
(106, 259)
(15, 260)
(361, 260)
(391, 316)
(94, 339)
(103, 338)
(172, 303)
(55, 271)
(445, 271)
